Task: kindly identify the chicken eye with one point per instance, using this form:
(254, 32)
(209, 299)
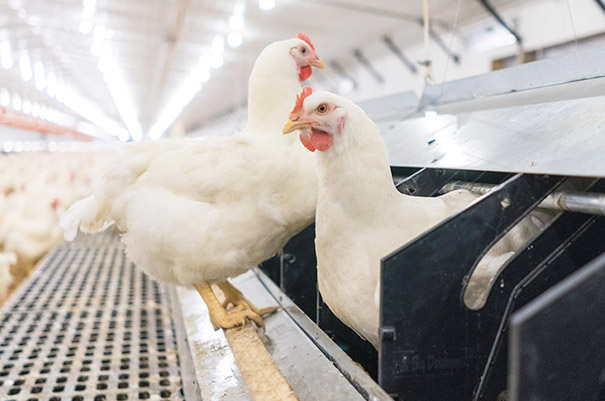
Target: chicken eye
(303, 50)
(322, 108)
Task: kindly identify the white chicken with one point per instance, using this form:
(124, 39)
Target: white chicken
(361, 217)
(195, 212)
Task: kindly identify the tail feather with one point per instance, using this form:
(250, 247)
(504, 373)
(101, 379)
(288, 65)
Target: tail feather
(70, 221)
(88, 214)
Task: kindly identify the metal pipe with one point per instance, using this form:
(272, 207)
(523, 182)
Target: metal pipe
(339, 69)
(579, 202)
(367, 65)
(18, 120)
(601, 4)
(495, 14)
(435, 36)
(399, 53)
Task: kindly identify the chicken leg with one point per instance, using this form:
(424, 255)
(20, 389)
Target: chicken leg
(219, 317)
(235, 297)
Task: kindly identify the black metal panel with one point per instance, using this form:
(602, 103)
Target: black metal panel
(426, 352)
(299, 270)
(357, 348)
(568, 244)
(271, 267)
(425, 182)
(558, 341)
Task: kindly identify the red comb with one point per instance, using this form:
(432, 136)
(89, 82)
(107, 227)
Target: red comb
(300, 99)
(303, 36)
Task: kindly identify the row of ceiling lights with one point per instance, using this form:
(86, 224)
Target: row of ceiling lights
(50, 146)
(36, 110)
(201, 73)
(47, 82)
(65, 94)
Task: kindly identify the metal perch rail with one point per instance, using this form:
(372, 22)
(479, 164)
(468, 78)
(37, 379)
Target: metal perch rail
(580, 202)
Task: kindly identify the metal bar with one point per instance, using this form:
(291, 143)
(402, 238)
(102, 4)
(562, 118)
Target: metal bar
(399, 53)
(367, 65)
(495, 14)
(368, 388)
(579, 202)
(19, 120)
(601, 4)
(424, 323)
(578, 66)
(569, 363)
(435, 36)
(339, 69)
(425, 182)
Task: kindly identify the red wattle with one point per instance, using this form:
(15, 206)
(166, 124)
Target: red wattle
(320, 140)
(305, 73)
(306, 141)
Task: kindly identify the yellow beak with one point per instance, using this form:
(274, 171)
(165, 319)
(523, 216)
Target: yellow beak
(291, 125)
(318, 63)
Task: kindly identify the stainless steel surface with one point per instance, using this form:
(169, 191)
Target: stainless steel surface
(385, 110)
(87, 325)
(352, 371)
(573, 67)
(557, 137)
(581, 202)
(311, 375)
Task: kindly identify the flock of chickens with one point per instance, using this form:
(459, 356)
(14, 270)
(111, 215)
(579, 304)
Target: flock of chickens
(35, 189)
(196, 212)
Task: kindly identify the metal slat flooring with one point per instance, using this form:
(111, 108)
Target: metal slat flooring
(88, 326)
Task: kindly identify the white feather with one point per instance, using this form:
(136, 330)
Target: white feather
(208, 209)
(361, 217)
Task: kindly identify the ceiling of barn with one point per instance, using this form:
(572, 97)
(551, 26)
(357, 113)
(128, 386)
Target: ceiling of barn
(141, 64)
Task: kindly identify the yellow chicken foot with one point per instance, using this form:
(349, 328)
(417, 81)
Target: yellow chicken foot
(235, 297)
(219, 317)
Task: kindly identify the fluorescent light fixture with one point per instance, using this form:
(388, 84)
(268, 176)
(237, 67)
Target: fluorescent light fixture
(18, 146)
(33, 20)
(123, 135)
(235, 39)
(216, 61)
(27, 106)
(98, 34)
(186, 92)
(15, 4)
(5, 97)
(121, 96)
(236, 21)
(16, 102)
(51, 84)
(218, 45)
(36, 109)
(6, 58)
(39, 76)
(345, 85)
(88, 8)
(85, 27)
(266, 4)
(201, 74)
(7, 147)
(26, 68)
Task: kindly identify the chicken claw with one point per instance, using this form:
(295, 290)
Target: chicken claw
(219, 317)
(235, 297)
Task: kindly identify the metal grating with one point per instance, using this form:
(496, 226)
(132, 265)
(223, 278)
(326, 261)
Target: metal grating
(88, 326)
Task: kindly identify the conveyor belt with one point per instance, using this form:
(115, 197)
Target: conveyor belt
(87, 325)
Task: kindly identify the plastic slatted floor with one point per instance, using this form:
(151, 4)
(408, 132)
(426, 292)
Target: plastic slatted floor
(87, 325)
